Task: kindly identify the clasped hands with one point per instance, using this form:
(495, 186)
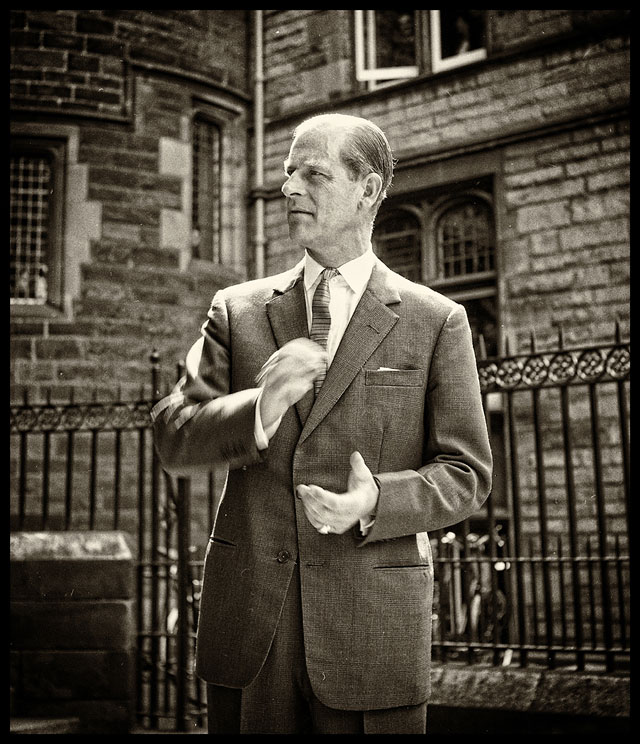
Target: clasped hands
(285, 378)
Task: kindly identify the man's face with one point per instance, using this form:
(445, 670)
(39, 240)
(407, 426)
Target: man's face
(322, 197)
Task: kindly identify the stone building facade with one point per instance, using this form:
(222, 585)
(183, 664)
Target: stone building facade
(529, 136)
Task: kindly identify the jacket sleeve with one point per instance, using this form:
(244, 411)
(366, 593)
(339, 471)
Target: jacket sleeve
(201, 423)
(456, 476)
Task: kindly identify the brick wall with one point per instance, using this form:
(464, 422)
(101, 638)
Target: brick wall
(79, 60)
(128, 82)
(566, 243)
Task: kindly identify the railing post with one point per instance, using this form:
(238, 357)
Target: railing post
(154, 690)
(155, 375)
(183, 512)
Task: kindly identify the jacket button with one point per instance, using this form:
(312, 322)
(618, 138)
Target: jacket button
(283, 556)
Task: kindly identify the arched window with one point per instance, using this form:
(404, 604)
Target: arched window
(464, 237)
(398, 242)
(447, 241)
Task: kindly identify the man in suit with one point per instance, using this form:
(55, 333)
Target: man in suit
(347, 407)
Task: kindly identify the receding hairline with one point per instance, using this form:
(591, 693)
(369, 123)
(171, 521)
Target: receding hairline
(346, 123)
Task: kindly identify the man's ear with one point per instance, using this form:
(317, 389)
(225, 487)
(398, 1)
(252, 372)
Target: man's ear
(371, 190)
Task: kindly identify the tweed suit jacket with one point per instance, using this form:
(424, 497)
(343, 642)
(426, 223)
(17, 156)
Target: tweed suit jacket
(403, 390)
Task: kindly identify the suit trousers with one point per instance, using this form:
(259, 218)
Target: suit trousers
(280, 699)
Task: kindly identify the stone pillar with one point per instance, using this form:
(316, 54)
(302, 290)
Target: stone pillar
(73, 635)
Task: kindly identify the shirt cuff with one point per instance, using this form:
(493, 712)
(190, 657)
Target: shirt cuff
(263, 435)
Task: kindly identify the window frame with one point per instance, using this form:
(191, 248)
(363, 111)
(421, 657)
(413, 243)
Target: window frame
(55, 148)
(438, 64)
(428, 50)
(365, 53)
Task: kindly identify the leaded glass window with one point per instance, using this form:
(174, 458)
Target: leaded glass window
(465, 241)
(31, 193)
(205, 206)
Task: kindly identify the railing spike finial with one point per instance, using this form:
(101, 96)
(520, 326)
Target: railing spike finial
(618, 331)
(560, 337)
(532, 336)
(154, 357)
(507, 345)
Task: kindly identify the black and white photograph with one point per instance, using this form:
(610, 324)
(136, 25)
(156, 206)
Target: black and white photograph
(319, 357)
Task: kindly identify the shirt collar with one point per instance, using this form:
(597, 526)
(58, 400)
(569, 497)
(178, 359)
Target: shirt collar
(356, 272)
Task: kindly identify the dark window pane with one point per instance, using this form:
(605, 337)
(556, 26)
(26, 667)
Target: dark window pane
(465, 243)
(461, 31)
(398, 244)
(395, 38)
(482, 319)
(205, 210)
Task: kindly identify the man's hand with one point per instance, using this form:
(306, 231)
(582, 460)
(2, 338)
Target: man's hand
(287, 375)
(340, 511)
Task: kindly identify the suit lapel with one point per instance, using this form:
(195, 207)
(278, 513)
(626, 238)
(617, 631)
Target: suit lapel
(369, 325)
(287, 313)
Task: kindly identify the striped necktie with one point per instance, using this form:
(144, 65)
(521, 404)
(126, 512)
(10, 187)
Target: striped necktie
(320, 317)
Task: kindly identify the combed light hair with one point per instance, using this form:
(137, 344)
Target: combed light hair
(365, 149)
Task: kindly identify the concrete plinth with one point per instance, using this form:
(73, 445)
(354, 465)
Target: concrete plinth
(73, 630)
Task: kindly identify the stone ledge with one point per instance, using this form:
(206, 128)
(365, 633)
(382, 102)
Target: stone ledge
(70, 565)
(44, 726)
(531, 690)
(77, 545)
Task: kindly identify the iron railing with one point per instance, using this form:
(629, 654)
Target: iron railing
(539, 576)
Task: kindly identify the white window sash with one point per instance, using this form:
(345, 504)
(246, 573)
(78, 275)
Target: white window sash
(437, 63)
(366, 70)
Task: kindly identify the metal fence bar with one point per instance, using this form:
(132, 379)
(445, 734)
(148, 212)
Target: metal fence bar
(142, 538)
(184, 585)
(22, 483)
(154, 557)
(572, 521)
(46, 463)
(602, 524)
(117, 462)
(522, 637)
(93, 473)
(543, 524)
(493, 547)
(68, 486)
(592, 596)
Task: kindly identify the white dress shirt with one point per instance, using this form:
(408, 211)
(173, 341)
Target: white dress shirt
(346, 289)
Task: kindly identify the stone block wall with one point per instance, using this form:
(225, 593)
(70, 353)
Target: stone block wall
(121, 88)
(73, 631)
(562, 199)
(80, 60)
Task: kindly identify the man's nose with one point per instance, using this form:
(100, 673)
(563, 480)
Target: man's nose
(293, 186)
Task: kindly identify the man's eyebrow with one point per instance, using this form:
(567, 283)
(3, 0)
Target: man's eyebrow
(320, 164)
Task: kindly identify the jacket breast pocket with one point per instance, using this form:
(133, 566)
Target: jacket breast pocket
(394, 377)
